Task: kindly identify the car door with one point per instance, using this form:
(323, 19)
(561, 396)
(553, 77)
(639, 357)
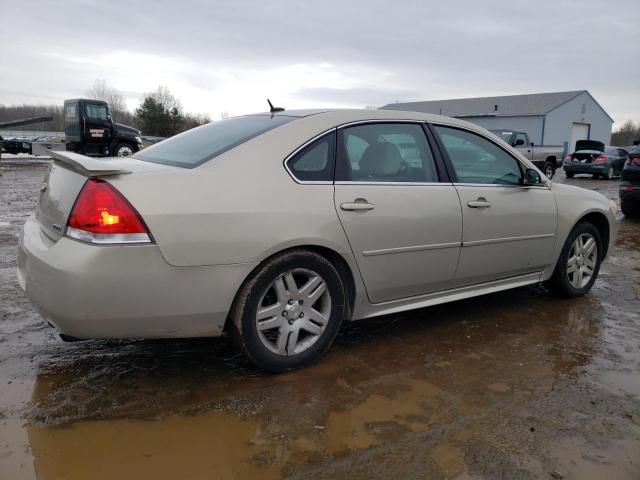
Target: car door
(403, 223)
(97, 123)
(524, 147)
(509, 228)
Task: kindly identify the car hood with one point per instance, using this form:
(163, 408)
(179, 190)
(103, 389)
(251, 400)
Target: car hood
(127, 129)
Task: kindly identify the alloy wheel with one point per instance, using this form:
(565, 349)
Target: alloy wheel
(582, 260)
(293, 312)
(124, 151)
(549, 171)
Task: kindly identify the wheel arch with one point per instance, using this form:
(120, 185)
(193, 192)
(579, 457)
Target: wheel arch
(336, 259)
(600, 221)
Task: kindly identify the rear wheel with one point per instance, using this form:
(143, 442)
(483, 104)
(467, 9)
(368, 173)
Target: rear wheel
(288, 314)
(630, 209)
(610, 173)
(570, 174)
(549, 169)
(579, 262)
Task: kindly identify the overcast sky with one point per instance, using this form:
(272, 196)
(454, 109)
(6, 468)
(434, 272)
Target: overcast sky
(230, 56)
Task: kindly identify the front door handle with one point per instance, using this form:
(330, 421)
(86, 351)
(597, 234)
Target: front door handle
(359, 204)
(481, 202)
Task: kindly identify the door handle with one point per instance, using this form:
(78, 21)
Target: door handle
(481, 202)
(359, 204)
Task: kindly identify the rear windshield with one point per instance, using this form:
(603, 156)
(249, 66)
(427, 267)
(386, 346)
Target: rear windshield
(199, 145)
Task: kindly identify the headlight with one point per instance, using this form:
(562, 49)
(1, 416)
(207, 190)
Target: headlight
(614, 207)
(138, 139)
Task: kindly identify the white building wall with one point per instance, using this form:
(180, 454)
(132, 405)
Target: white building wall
(581, 109)
(530, 124)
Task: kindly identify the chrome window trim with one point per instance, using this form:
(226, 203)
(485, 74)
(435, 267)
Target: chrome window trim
(297, 150)
(409, 184)
(498, 185)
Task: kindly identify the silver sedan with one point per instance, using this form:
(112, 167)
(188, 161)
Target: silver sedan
(277, 227)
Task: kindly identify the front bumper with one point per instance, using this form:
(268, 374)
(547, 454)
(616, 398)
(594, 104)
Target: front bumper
(126, 291)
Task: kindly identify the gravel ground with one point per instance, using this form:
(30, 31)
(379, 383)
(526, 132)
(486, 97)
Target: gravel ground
(513, 385)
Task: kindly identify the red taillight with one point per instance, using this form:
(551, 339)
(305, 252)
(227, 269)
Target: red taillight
(102, 215)
(600, 159)
(568, 158)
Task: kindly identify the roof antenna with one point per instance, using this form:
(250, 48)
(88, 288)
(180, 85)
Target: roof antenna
(273, 109)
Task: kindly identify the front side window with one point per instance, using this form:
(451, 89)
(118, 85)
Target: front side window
(201, 144)
(315, 161)
(99, 112)
(384, 152)
(477, 160)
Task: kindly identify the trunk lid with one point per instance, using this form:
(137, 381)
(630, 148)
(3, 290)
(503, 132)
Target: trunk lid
(589, 145)
(66, 177)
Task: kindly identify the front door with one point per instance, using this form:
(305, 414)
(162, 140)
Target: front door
(509, 228)
(97, 124)
(404, 225)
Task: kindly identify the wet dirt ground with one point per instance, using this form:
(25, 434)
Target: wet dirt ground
(514, 385)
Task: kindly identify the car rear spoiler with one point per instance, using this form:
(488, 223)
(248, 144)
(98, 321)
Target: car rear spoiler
(88, 166)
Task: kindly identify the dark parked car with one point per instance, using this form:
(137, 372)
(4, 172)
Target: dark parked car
(595, 158)
(630, 184)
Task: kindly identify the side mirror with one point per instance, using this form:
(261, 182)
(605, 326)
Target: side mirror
(532, 177)
(518, 142)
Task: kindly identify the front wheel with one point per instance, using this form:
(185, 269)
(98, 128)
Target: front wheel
(579, 262)
(123, 150)
(569, 174)
(288, 313)
(549, 169)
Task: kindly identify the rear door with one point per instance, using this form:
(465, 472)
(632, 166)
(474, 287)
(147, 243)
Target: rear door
(401, 215)
(509, 228)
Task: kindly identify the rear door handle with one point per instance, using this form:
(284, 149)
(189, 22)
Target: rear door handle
(479, 203)
(360, 204)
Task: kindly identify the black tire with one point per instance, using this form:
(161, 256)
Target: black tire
(569, 174)
(124, 150)
(629, 209)
(559, 282)
(549, 169)
(244, 331)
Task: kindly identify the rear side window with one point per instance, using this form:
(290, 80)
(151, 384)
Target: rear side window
(384, 152)
(314, 163)
(199, 145)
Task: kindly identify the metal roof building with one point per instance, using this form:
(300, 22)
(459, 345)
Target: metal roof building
(556, 118)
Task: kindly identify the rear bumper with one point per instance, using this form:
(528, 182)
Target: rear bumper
(90, 291)
(597, 168)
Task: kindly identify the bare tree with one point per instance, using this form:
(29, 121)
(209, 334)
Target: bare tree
(103, 91)
(165, 98)
(627, 134)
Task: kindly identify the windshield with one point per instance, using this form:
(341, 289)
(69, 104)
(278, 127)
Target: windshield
(199, 145)
(503, 134)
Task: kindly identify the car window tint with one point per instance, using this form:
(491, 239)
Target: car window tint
(98, 112)
(201, 144)
(315, 161)
(477, 160)
(384, 152)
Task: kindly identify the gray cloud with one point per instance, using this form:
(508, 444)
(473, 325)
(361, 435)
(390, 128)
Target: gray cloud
(422, 49)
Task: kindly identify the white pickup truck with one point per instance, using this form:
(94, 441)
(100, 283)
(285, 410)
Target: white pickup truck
(547, 159)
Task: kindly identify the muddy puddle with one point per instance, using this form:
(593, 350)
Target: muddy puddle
(513, 385)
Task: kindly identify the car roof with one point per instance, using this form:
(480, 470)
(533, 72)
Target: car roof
(342, 116)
